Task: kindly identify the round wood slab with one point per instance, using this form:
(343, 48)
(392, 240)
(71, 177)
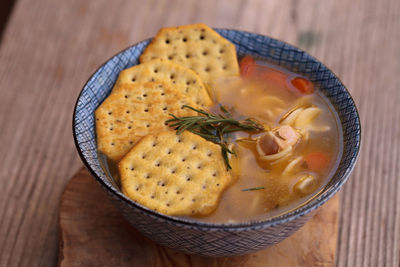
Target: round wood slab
(93, 233)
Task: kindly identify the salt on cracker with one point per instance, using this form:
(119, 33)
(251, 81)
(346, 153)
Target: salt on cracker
(197, 47)
(133, 111)
(175, 174)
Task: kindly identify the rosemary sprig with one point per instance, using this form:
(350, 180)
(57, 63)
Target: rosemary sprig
(253, 188)
(214, 127)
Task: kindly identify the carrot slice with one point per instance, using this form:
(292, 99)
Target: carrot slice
(316, 161)
(304, 86)
(246, 65)
(276, 77)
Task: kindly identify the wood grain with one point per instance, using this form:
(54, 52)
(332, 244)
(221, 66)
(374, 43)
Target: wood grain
(50, 48)
(98, 235)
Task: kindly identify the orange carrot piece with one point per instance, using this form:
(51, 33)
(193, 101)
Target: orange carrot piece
(276, 77)
(304, 86)
(246, 64)
(316, 161)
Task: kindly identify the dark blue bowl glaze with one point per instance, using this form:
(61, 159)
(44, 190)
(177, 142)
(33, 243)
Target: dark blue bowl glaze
(219, 239)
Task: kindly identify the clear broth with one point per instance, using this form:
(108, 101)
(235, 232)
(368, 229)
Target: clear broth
(246, 98)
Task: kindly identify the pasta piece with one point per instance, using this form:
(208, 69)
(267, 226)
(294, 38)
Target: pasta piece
(306, 116)
(278, 155)
(290, 117)
(293, 166)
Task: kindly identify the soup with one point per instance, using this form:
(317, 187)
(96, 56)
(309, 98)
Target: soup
(286, 164)
(273, 184)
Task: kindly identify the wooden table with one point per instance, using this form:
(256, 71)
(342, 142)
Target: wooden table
(50, 48)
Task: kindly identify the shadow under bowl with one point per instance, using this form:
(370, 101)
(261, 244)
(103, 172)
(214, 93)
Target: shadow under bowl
(209, 239)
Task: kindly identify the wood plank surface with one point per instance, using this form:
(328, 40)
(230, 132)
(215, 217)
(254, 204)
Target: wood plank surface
(92, 234)
(50, 48)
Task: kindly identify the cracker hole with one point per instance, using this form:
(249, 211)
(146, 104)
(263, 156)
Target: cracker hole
(182, 198)
(217, 184)
(193, 200)
(111, 129)
(188, 178)
(178, 192)
(199, 167)
(167, 41)
(221, 51)
(162, 93)
(166, 192)
(173, 171)
(147, 125)
(209, 154)
(152, 80)
(187, 55)
(132, 168)
(202, 37)
(168, 204)
(152, 196)
(154, 144)
(194, 147)
(172, 76)
(203, 30)
(187, 82)
(184, 39)
(112, 144)
(164, 108)
(157, 164)
(137, 188)
(205, 53)
(169, 57)
(183, 159)
(129, 127)
(143, 156)
(169, 151)
(214, 174)
(146, 110)
(133, 79)
(126, 96)
(204, 187)
(147, 176)
(165, 123)
(130, 142)
(179, 140)
(110, 113)
(155, 70)
(128, 111)
(224, 67)
(207, 69)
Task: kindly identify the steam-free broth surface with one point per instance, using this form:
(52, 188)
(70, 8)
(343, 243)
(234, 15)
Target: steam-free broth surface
(291, 160)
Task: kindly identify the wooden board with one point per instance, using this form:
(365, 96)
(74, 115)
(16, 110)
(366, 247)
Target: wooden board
(93, 233)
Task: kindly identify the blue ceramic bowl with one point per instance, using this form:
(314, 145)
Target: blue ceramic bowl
(219, 239)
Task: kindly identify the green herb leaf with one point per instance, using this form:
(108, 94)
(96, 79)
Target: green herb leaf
(213, 127)
(253, 188)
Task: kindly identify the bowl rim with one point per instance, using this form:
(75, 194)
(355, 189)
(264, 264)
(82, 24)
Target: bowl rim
(301, 210)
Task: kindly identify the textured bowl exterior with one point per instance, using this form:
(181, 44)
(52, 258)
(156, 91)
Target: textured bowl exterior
(219, 239)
